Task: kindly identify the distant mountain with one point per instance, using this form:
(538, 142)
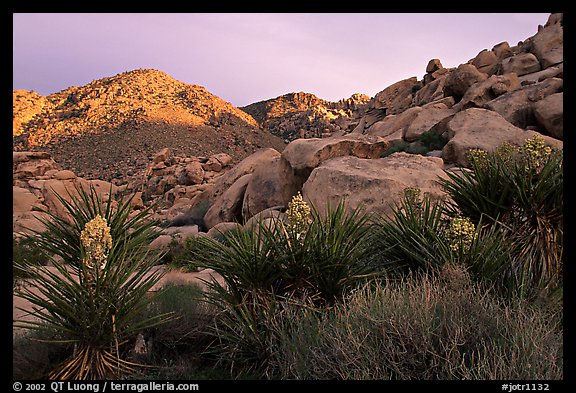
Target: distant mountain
(111, 127)
(303, 115)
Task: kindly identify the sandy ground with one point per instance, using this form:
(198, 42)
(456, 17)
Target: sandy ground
(21, 308)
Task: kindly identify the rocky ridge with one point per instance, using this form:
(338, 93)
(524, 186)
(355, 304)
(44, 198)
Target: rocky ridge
(111, 127)
(506, 94)
(303, 115)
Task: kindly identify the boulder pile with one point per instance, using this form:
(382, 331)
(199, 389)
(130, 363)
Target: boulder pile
(506, 94)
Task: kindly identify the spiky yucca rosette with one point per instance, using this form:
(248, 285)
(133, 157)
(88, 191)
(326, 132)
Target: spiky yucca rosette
(95, 297)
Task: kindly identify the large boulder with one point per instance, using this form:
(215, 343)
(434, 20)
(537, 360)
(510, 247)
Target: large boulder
(549, 113)
(374, 185)
(244, 167)
(485, 91)
(556, 71)
(23, 200)
(460, 80)
(548, 45)
(304, 155)
(192, 173)
(397, 97)
(181, 205)
(502, 50)
(29, 222)
(431, 91)
(521, 64)
(272, 184)
(23, 156)
(371, 116)
(54, 189)
(433, 66)
(486, 61)
(477, 128)
(428, 117)
(32, 164)
(392, 128)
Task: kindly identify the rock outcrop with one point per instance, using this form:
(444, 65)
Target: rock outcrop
(303, 115)
(38, 182)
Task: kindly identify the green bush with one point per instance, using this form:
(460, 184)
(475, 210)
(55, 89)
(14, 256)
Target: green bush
(412, 237)
(433, 141)
(422, 327)
(92, 299)
(322, 259)
(428, 141)
(520, 189)
(34, 355)
(62, 235)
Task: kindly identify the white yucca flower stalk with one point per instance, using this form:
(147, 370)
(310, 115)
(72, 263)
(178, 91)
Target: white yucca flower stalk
(298, 214)
(97, 242)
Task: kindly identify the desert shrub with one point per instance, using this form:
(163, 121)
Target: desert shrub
(395, 146)
(428, 141)
(62, 235)
(417, 147)
(180, 348)
(424, 234)
(433, 140)
(91, 298)
(34, 355)
(313, 253)
(176, 254)
(422, 327)
(412, 236)
(191, 316)
(520, 189)
(25, 252)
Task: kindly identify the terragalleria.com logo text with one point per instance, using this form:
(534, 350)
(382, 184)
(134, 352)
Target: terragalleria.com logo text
(122, 386)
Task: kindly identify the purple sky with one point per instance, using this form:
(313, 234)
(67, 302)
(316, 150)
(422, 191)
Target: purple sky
(245, 58)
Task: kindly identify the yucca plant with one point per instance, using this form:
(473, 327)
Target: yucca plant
(520, 189)
(413, 237)
(423, 235)
(318, 253)
(311, 258)
(61, 236)
(95, 294)
(486, 251)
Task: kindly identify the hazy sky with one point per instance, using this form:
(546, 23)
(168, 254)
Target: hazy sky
(249, 57)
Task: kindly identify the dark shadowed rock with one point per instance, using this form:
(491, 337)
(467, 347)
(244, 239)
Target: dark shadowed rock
(272, 184)
(228, 206)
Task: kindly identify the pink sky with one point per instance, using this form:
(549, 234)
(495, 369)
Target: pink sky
(249, 57)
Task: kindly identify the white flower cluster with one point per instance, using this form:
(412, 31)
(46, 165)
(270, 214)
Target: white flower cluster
(97, 242)
(298, 214)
